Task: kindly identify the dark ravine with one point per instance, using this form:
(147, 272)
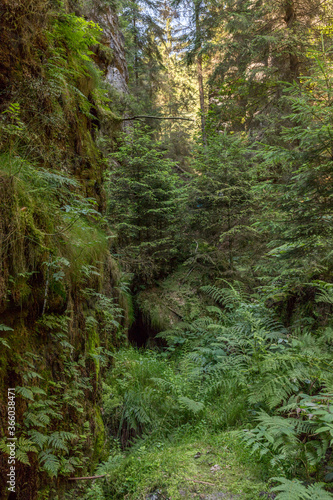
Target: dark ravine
(140, 333)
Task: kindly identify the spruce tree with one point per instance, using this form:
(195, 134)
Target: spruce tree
(257, 46)
(143, 34)
(221, 199)
(144, 207)
(301, 209)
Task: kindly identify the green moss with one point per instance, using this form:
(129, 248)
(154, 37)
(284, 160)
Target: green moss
(100, 451)
(92, 345)
(171, 468)
(154, 309)
(126, 302)
(176, 298)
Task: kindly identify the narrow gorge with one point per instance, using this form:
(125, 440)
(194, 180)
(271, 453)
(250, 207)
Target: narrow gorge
(166, 285)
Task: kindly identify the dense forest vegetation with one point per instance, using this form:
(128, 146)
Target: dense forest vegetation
(166, 237)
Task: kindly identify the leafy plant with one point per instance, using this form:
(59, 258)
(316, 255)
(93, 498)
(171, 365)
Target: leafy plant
(143, 395)
(295, 490)
(5, 328)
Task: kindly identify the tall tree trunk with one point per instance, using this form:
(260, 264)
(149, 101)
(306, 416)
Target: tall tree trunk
(202, 99)
(230, 240)
(290, 19)
(136, 69)
(199, 73)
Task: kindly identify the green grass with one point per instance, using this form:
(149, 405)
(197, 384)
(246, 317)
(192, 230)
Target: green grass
(171, 468)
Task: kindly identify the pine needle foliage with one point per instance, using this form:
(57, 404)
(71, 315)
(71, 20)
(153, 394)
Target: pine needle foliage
(144, 205)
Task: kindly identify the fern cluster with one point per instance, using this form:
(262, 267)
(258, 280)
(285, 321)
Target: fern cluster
(144, 395)
(246, 363)
(53, 432)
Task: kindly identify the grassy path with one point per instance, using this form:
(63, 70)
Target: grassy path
(209, 467)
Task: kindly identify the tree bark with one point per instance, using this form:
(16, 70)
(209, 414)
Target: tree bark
(136, 62)
(290, 18)
(199, 73)
(202, 100)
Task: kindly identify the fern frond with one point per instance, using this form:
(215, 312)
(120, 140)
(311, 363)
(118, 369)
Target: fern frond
(49, 462)
(190, 404)
(38, 438)
(295, 490)
(228, 297)
(23, 447)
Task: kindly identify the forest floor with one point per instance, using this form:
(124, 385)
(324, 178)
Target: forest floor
(209, 467)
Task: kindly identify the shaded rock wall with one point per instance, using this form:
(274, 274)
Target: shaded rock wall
(47, 265)
(116, 70)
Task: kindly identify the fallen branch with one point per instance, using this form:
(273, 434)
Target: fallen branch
(157, 118)
(83, 478)
(200, 482)
(175, 312)
(182, 170)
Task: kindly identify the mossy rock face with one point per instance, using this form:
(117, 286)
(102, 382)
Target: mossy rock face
(92, 345)
(55, 243)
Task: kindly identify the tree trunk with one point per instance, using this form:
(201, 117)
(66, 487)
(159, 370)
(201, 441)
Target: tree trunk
(290, 18)
(199, 73)
(230, 240)
(136, 69)
(202, 100)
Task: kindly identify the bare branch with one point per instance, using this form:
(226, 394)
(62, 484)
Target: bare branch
(182, 170)
(158, 118)
(175, 312)
(83, 478)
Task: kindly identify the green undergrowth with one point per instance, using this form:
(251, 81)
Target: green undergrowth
(174, 299)
(194, 463)
(60, 422)
(236, 376)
